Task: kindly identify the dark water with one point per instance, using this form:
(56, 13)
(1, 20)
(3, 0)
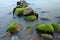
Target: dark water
(52, 8)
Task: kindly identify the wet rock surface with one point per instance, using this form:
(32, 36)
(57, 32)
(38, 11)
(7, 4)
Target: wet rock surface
(44, 19)
(47, 36)
(14, 28)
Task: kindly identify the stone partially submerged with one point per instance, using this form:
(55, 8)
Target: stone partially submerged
(28, 29)
(14, 28)
(47, 36)
(44, 19)
(19, 11)
(29, 14)
(45, 28)
(31, 18)
(56, 27)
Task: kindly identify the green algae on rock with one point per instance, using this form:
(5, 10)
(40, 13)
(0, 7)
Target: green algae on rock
(31, 18)
(45, 28)
(14, 27)
(56, 27)
(19, 11)
(30, 15)
(29, 29)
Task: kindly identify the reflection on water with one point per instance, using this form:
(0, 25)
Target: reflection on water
(6, 6)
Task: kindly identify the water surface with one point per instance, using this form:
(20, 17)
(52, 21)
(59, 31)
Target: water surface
(6, 6)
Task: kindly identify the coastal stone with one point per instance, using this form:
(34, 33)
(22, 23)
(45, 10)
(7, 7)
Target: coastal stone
(45, 28)
(31, 18)
(19, 11)
(47, 36)
(14, 27)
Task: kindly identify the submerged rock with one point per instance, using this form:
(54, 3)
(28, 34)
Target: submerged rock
(44, 18)
(56, 27)
(15, 38)
(28, 29)
(5, 34)
(45, 28)
(19, 11)
(43, 11)
(14, 28)
(58, 17)
(35, 37)
(47, 36)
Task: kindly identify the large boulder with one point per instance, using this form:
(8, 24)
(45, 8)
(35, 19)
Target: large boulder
(29, 14)
(14, 27)
(45, 28)
(56, 27)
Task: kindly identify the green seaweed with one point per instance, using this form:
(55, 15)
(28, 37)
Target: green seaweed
(19, 11)
(12, 27)
(31, 18)
(29, 27)
(56, 27)
(45, 27)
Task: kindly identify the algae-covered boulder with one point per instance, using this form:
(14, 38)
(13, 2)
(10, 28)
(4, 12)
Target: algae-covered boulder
(14, 27)
(56, 27)
(31, 18)
(45, 28)
(19, 11)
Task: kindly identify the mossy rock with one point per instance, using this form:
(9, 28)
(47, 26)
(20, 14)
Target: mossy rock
(29, 29)
(56, 27)
(31, 18)
(14, 27)
(19, 11)
(45, 28)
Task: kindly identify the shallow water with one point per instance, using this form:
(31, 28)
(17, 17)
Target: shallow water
(6, 6)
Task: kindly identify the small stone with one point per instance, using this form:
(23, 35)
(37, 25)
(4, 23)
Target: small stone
(35, 37)
(43, 11)
(47, 36)
(58, 17)
(44, 18)
(28, 29)
(15, 38)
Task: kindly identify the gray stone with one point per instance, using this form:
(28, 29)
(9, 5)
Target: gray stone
(47, 36)
(28, 10)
